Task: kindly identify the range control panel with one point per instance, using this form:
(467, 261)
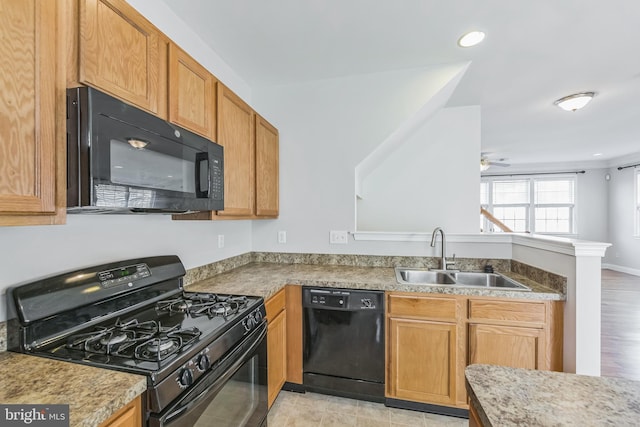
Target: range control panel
(342, 299)
(121, 275)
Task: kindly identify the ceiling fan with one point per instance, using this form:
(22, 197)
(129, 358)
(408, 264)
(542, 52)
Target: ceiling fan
(485, 163)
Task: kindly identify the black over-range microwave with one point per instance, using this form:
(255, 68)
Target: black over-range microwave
(122, 159)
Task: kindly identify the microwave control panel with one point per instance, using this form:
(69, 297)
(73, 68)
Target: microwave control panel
(217, 180)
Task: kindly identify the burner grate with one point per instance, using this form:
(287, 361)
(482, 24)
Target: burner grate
(199, 304)
(164, 341)
(145, 341)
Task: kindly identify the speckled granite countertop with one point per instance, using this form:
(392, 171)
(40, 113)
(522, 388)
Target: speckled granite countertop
(93, 394)
(265, 279)
(518, 397)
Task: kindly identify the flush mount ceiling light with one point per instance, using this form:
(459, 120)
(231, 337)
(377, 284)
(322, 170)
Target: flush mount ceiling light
(471, 38)
(575, 102)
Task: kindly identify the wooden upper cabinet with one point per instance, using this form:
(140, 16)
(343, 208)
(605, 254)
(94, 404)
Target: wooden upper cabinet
(236, 134)
(122, 53)
(267, 166)
(191, 94)
(31, 113)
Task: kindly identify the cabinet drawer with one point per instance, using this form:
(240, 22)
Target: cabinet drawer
(526, 312)
(422, 307)
(275, 305)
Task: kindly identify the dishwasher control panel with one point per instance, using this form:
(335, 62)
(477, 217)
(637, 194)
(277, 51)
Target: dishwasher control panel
(342, 299)
(330, 299)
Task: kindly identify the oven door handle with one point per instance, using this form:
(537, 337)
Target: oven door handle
(220, 381)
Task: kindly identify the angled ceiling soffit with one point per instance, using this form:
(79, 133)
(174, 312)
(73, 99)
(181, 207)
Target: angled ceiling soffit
(436, 100)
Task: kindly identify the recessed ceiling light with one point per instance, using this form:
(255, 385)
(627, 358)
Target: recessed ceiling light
(471, 38)
(597, 154)
(575, 102)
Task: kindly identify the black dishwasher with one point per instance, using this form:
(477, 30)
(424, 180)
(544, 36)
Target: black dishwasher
(344, 342)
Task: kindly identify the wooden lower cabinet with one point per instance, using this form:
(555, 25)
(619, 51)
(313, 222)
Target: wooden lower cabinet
(516, 347)
(128, 416)
(431, 338)
(474, 419)
(421, 363)
(519, 334)
(424, 337)
(276, 344)
(294, 334)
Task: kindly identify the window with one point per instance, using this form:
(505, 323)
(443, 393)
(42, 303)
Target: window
(536, 204)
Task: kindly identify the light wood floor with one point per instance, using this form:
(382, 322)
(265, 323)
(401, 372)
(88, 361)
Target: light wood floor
(620, 343)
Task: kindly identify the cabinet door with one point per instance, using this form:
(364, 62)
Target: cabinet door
(236, 135)
(120, 53)
(129, 416)
(30, 96)
(191, 94)
(516, 347)
(421, 361)
(277, 354)
(267, 181)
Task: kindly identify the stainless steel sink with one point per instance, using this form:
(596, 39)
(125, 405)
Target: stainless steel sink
(423, 276)
(486, 280)
(417, 276)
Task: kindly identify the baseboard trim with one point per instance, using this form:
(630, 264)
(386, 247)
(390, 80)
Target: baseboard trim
(426, 407)
(621, 269)
(298, 388)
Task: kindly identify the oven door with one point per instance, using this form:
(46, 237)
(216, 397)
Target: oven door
(234, 393)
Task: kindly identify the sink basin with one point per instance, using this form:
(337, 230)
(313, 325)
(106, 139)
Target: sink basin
(417, 276)
(486, 280)
(405, 275)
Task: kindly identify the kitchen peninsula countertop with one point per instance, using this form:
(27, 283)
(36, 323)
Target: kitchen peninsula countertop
(519, 397)
(265, 279)
(93, 394)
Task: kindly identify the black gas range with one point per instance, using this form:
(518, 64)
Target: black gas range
(199, 351)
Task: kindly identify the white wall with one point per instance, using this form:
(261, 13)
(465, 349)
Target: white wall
(160, 15)
(623, 254)
(593, 205)
(326, 128)
(431, 180)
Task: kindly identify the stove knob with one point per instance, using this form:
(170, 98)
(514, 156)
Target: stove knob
(203, 363)
(185, 378)
(258, 316)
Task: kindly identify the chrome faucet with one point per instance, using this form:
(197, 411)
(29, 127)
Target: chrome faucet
(443, 259)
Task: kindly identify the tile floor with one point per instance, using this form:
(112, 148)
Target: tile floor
(318, 410)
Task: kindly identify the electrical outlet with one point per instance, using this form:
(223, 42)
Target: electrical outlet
(220, 240)
(282, 236)
(337, 237)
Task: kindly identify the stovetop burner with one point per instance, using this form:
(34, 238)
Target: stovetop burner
(199, 304)
(144, 341)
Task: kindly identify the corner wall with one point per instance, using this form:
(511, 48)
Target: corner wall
(623, 254)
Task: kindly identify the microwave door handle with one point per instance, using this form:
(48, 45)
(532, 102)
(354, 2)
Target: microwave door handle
(200, 159)
(220, 381)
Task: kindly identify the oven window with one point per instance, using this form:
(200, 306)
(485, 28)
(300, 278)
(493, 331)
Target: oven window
(237, 401)
(143, 167)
